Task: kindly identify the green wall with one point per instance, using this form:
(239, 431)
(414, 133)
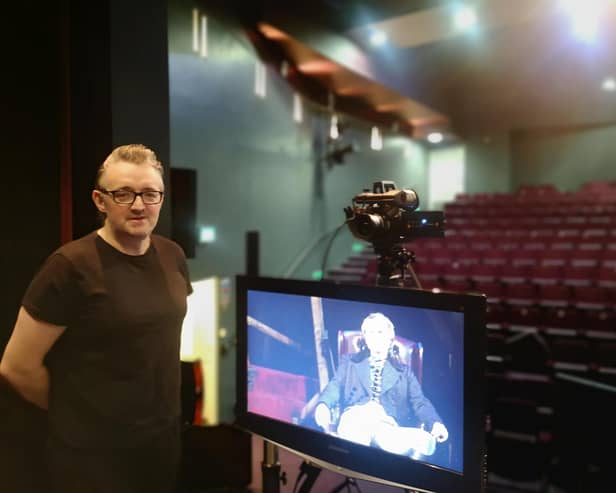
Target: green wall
(488, 163)
(566, 158)
(259, 170)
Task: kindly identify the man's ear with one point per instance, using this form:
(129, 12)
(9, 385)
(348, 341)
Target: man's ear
(97, 198)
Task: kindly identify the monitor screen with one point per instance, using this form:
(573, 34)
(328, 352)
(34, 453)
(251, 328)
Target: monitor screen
(382, 382)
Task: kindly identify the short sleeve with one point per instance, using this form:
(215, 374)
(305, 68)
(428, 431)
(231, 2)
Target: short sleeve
(184, 271)
(53, 293)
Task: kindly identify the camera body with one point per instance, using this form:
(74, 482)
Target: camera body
(387, 216)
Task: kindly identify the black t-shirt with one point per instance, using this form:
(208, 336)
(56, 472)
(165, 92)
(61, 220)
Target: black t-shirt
(115, 371)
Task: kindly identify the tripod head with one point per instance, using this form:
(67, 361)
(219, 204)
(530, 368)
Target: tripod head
(387, 217)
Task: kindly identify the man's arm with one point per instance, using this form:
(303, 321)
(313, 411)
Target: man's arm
(22, 362)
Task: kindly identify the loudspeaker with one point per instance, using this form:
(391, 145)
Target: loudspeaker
(184, 209)
(252, 253)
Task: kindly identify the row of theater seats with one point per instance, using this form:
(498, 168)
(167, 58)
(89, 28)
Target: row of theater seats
(547, 265)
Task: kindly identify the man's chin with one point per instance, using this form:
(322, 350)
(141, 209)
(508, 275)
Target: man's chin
(139, 233)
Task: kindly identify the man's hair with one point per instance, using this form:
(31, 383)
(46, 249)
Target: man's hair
(393, 353)
(130, 153)
(377, 316)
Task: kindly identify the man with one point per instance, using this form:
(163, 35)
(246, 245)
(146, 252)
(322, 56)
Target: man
(378, 397)
(97, 339)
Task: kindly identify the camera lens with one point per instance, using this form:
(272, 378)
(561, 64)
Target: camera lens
(368, 225)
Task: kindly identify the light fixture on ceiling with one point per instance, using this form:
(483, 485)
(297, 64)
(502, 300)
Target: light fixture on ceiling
(284, 68)
(378, 38)
(334, 130)
(609, 84)
(465, 18)
(195, 30)
(199, 33)
(298, 108)
(376, 140)
(207, 234)
(435, 137)
(260, 79)
(585, 17)
(203, 48)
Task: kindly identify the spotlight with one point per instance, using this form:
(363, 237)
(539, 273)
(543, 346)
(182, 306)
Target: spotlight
(336, 156)
(338, 152)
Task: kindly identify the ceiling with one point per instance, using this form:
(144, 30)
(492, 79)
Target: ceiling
(521, 68)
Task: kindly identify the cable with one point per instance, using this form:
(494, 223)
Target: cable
(310, 473)
(327, 249)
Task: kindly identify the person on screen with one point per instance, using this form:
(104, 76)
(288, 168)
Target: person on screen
(377, 397)
(97, 340)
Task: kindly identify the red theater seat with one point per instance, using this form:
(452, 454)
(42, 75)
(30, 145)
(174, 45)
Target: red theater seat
(554, 295)
(606, 276)
(555, 319)
(571, 354)
(277, 394)
(515, 273)
(521, 294)
(554, 257)
(546, 274)
(579, 276)
(592, 297)
(484, 273)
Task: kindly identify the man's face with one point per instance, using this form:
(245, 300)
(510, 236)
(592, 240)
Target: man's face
(378, 336)
(136, 220)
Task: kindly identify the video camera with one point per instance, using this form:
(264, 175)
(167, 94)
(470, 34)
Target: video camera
(387, 216)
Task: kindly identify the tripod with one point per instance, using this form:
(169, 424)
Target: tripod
(394, 266)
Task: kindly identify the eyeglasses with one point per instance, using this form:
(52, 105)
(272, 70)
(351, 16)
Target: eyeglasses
(128, 197)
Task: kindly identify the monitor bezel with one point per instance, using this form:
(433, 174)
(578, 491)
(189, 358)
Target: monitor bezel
(357, 460)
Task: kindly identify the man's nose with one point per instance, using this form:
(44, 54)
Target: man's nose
(138, 203)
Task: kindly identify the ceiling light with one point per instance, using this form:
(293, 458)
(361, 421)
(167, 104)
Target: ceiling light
(465, 18)
(585, 17)
(378, 38)
(207, 234)
(334, 131)
(298, 108)
(435, 137)
(609, 84)
(376, 139)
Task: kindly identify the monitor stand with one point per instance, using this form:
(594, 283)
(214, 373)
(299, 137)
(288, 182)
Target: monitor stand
(271, 477)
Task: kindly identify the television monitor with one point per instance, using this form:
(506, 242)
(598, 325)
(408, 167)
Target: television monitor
(304, 345)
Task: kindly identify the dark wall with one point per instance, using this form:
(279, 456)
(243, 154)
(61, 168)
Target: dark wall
(31, 107)
(80, 78)
(119, 91)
